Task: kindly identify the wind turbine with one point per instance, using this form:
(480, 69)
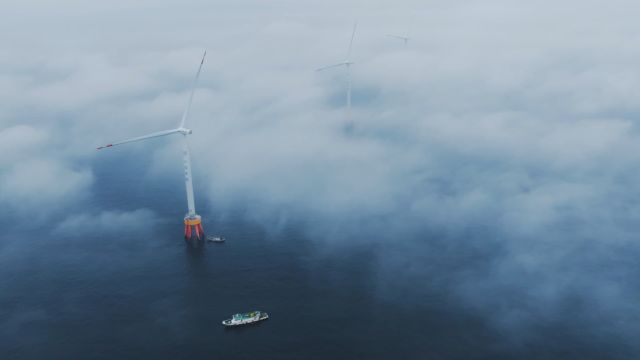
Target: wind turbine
(347, 63)
(192, 221)
(405, 37)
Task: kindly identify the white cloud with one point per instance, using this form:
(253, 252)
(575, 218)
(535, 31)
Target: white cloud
(516, 117)
(43, 183)
(36, 177)
(19, 142)
(107, 222)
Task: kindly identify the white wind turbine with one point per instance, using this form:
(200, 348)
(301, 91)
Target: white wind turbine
(404, 38)
(347, 63)
(191, 219)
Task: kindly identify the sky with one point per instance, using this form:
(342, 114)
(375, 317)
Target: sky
(505, 129)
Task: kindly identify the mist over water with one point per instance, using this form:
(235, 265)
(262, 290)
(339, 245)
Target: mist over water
(480, 201)
(74, 290)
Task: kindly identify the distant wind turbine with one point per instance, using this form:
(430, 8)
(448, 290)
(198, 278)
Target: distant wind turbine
(404, 37)
(347, 63)
(192, 221)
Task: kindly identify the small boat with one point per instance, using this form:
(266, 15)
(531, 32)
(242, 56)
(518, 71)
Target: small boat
(246, 318)
(217, 239)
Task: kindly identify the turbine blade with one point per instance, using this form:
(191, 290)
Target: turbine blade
(193, 90)
(140, 138)
(353, 34)
(398, 37)
(331, 66)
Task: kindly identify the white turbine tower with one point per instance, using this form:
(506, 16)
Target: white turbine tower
(347, 63)
(192, 221)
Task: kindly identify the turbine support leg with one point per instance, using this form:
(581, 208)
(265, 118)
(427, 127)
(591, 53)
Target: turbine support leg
(200, 230)
(187, 232)
(193, 227)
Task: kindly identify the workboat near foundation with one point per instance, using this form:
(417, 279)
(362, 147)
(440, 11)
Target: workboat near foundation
(216, 239)
(246, 318)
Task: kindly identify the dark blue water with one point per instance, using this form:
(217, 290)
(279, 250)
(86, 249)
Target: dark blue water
(144, 293)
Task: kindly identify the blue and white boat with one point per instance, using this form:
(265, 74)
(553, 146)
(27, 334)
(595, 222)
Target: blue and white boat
(246, 318)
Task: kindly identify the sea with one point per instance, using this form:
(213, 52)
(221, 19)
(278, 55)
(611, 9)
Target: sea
(142, 292)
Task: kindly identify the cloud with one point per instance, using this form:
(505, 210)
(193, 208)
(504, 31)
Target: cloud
(33, 180)
(107, 222)
(18, 142)
(519, 120)
(33, 177)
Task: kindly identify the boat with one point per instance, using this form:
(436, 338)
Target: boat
(217, 239)
(246, 318)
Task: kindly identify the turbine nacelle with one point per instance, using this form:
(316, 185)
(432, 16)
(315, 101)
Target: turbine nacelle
(184, 131)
